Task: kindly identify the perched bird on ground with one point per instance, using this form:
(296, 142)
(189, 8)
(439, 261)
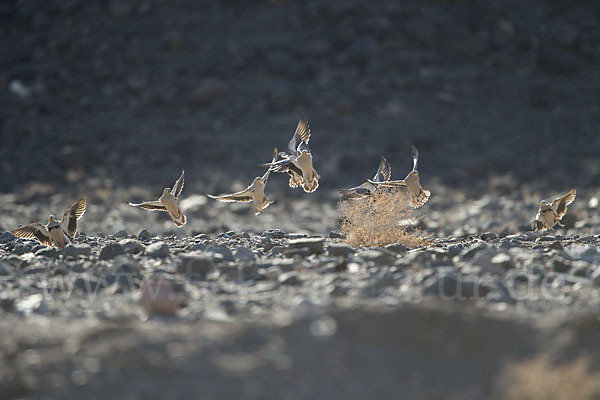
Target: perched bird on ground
(254, 193)
(550, 214)
(299, 163)
(418, 195)
(168, 202)
(55, 233)
(384, 174)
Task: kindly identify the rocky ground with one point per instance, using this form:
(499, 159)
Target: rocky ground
(111, 100)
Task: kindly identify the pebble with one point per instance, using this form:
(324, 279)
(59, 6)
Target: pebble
(243, 254)
(6, 237)
(223, 251)
(144, 235)
(132, 246)
(49, 252)
(195, 265)
(339, 250)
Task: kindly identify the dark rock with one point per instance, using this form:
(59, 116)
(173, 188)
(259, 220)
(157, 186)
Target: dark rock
(49, 252)
(6, 237)
(224, 251)
(274, 234)
(132, 246)
(90, 284)
(488, 236)
(158, 250)
(195, 266)
(335, 235)
(121, 234)
(22, 249)
(339, 250)
(144, 235)
(110, 251)
(77, 250)
(313, 245)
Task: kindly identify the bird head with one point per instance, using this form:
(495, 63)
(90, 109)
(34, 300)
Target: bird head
(257, 180)
(544, 204)
(166, 191)
(51, 218)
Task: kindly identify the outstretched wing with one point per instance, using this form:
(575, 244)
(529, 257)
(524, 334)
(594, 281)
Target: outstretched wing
(390, 184)
(150, 205)
(178, 187)
(34, 231)
(243, 197)
(415, 155)
(357, 192)
(302, 134)
(384, 172)
(265, 177)
(68, 223)
(559, 205)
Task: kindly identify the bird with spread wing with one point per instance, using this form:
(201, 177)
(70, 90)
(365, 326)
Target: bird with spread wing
(550, 214)
(55, 233)
(418, 195)
(168, 202)
(383, 174)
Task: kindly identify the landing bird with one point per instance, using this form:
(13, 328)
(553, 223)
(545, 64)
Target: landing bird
(167, 202)
(254, 193)
(550, 214)
(55, 233)
(298, 164)
(383, 174)
(418, 195)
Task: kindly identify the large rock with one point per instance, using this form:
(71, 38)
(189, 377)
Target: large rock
(158, 250)
(195, 265)
(110, 251)
(78, 250)
(313, 245)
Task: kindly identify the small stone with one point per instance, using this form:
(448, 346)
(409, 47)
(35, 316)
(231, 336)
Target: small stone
(195, 265)
(243, 254)
(34, 303)
(556, 245)
(77, 250)
(121, 234)
(49, 252)
(198, 247)
(547, 238)
(503, 260)
(379, 256)
(6, 237)
(335, 235)
(132, 246)
(144, 235)
(560, 265)
(274, 234)
(314, 245)
(110, 251)
(158, 250)
(289, 278)
(397, 248)
(22, 249)
(339, 250)
(488, 236)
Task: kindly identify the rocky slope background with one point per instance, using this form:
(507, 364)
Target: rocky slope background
(112, 99)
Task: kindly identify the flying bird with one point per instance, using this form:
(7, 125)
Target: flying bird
(168, 202)
(418, 195)
(383, 174)
(55, 233)
(254, 193)
(550, 214)
(299, 163)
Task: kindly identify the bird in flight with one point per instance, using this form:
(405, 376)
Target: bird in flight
(383, 174)
(55, 233)
(550, 214)
(299, 163)
(254, 193)
(168, 202)
(418, 195)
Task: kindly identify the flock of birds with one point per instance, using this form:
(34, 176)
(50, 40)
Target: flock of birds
(298, 164)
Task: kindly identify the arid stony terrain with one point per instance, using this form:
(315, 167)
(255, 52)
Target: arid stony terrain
(111, 100)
